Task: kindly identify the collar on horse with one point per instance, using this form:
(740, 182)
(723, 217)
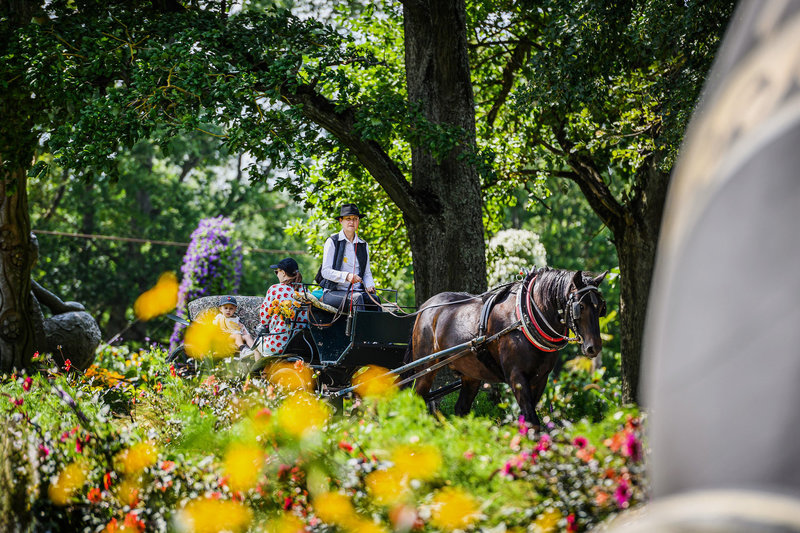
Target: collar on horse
(534, 323)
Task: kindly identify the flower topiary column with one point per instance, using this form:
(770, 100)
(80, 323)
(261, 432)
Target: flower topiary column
(212, 265)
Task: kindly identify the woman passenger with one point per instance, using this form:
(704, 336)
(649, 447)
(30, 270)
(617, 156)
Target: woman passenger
(280, 312)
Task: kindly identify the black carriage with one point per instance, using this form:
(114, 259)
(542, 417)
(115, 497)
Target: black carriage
(335, 345)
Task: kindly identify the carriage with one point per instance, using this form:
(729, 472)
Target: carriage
(511, 333)
(334, 345)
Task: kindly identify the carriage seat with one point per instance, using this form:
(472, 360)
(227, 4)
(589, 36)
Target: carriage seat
(248, 309)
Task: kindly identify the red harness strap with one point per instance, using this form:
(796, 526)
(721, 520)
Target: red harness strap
(533, 317)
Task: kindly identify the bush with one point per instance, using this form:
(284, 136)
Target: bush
(237, 453)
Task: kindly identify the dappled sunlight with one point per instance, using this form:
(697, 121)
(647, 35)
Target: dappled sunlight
(159, 300)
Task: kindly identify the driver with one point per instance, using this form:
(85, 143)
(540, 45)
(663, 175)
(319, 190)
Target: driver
(345, 273)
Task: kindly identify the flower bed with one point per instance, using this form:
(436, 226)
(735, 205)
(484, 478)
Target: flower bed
(131, 446)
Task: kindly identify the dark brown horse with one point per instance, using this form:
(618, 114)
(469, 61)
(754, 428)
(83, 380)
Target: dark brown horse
(525, 355)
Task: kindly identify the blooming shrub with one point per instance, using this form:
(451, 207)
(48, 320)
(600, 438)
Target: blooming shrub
(242, 453)
(212, 265)
(511, 251)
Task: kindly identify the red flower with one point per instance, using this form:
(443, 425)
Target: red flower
(95, 495)
(26, 385)
(571, 526)
(172, 371)
(67, 365)
(345, 446)
(18, 401)
(167, 465)
(580, 442)
(132, 521)
(287, 503)
(107, 480)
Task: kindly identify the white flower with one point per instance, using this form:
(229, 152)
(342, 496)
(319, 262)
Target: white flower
(512, 250)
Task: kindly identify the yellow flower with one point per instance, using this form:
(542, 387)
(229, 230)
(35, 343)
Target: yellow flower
(290, 376)
(207, 515)
(335, 508)
(387, 487)
(547, 522)
(203, 338)
(128, 491)
(453, 508)
(579, 364)
(362, 525)
(243, 464)
(160, 299)
(67, 483)
(138, 457)
(302, 414)
(417, 462)
(286, 523)
(374, 381)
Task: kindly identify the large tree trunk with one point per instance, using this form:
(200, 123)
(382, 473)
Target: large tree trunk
(17, 255)
(636, 244)
(447, 240)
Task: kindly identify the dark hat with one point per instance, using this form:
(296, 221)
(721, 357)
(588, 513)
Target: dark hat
(288, 265)
(227, 300)
(349, 209)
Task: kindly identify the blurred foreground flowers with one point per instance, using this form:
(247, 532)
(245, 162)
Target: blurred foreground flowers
(159, 300)
(261, 453)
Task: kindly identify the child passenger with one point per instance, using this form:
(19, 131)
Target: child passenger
(228, 322)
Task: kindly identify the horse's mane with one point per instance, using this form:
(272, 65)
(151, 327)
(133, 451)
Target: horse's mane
(552, 283)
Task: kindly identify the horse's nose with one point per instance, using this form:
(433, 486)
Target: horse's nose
(591, 350)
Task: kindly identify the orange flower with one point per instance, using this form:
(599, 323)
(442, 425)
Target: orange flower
(94, 495)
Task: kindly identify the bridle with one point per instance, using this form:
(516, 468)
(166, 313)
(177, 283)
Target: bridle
(534, 323)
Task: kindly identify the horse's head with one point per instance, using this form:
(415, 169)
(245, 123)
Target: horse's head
(585, 306)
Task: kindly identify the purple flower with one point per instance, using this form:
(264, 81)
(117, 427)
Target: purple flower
(212, 265)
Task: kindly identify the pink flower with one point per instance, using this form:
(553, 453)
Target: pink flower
(18, 401)
(632, 447)
(44, 451)
(469, 454)
(523, 426)
(622, 494)
(571, 523)
(544, 443)
(580, 442)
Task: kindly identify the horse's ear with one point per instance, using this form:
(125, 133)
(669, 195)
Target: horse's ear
(599, 279)
(577, 280)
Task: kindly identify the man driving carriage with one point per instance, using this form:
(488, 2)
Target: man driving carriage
(345, 274)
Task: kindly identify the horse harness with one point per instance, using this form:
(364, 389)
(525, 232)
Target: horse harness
(534, 325)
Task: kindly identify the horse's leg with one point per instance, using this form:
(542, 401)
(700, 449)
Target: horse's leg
(521, 387)
(469, 389)
(422, 386)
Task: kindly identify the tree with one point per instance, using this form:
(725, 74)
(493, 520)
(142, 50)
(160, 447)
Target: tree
(602, 92)
(266, 82)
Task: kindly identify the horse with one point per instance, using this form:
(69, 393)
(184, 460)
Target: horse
(531, 319)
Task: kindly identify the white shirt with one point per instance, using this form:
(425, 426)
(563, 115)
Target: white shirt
(349, 263)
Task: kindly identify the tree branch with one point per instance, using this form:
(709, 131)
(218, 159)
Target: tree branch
(590, 181)
(341, 124)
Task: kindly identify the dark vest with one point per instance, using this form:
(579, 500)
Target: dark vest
(338, 259)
